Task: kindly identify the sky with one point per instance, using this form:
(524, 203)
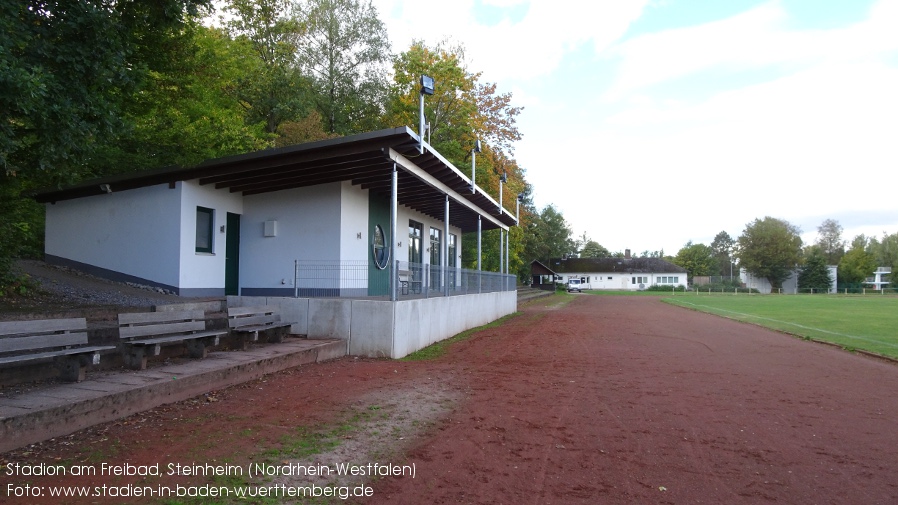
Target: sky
(651, 123)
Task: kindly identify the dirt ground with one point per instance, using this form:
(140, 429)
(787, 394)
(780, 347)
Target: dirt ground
(599, 400)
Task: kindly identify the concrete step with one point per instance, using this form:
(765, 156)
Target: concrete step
(65, 408)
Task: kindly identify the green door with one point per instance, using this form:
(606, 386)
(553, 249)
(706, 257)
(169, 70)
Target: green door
(232, 255)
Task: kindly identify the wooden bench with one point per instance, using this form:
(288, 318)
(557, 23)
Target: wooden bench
(143, 334)
(64, 341)
(250, 321)
(407, 282)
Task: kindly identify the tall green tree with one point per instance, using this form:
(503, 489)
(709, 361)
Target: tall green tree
(346, 51)
(697, 259)
(770, 248)
(857, 264)
(829, 240)
(275, 90)
(186, 110)
(815, 273)
(886, 252)
(593, 249)
(66, 69)
(722, 247)
(461, 110)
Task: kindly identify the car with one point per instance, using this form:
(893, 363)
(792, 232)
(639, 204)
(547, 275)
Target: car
(573, 285)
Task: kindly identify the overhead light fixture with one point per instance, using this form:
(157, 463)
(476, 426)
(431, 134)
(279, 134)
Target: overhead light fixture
(426, 85)
(426, 89)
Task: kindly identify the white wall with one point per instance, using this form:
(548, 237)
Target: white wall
(133, 232)
(623, 280)
(308, 228)
(204, 270)
(354, 220)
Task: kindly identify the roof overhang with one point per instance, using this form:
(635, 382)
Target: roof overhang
(367, 160)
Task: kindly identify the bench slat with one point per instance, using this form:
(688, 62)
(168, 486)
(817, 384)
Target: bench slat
(253, 329)
(245, 311)
(126, 332)
(13, 344)
(176, 338)
(132, 318)
(42, 326)
(53, 354)
(253, 320)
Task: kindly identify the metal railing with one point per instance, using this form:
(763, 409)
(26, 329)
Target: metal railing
(360, 279)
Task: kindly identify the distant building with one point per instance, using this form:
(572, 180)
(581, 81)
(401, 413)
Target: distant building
(877, 280)
(790, 285)
(618, 273)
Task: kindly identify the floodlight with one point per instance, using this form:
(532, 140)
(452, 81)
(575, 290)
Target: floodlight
(426, 85)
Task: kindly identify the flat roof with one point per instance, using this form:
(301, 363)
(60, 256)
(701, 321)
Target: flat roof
(365, 159)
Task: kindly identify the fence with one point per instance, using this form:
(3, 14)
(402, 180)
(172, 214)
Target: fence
(360, 279)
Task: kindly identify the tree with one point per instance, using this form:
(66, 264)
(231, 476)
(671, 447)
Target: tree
(185, 111)
(770, 248)
(345, 50)
(66, 68)
(274, 90)
(829, 239)
(815, 273)
(857, 264)
(461, 110)
(697, 259)
(722, 247)
(886, 252)
(593, 249)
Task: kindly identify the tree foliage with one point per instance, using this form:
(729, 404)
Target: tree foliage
(274, 90)
(593, 249)
(815, 273)
(770, 248)
(697, 259)
(345, 50)
(829, 240)
(857, 264)
(723, 247)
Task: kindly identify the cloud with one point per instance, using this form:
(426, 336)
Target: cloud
(531, 47)
(757, 38)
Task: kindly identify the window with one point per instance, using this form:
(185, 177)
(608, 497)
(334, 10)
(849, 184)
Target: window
(453, 250)
(205, 219)
(378, 250)
(415, 232)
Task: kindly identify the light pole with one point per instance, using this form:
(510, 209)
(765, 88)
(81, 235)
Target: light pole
(426, 89)
(502, 180)
(474, 152)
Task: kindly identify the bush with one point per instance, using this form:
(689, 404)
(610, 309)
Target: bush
(666, 289)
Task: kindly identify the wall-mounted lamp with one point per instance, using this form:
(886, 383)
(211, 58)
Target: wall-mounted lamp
(105, 188)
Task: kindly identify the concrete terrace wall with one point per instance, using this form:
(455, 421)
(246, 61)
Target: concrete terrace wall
(387, 329)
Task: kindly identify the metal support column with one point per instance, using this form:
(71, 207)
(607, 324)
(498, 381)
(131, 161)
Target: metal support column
(394, 205)
(479, 232)
(445, 247)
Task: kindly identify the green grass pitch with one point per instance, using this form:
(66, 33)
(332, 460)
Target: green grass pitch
(854, 322)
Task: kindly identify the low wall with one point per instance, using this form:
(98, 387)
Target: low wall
(377, 328)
